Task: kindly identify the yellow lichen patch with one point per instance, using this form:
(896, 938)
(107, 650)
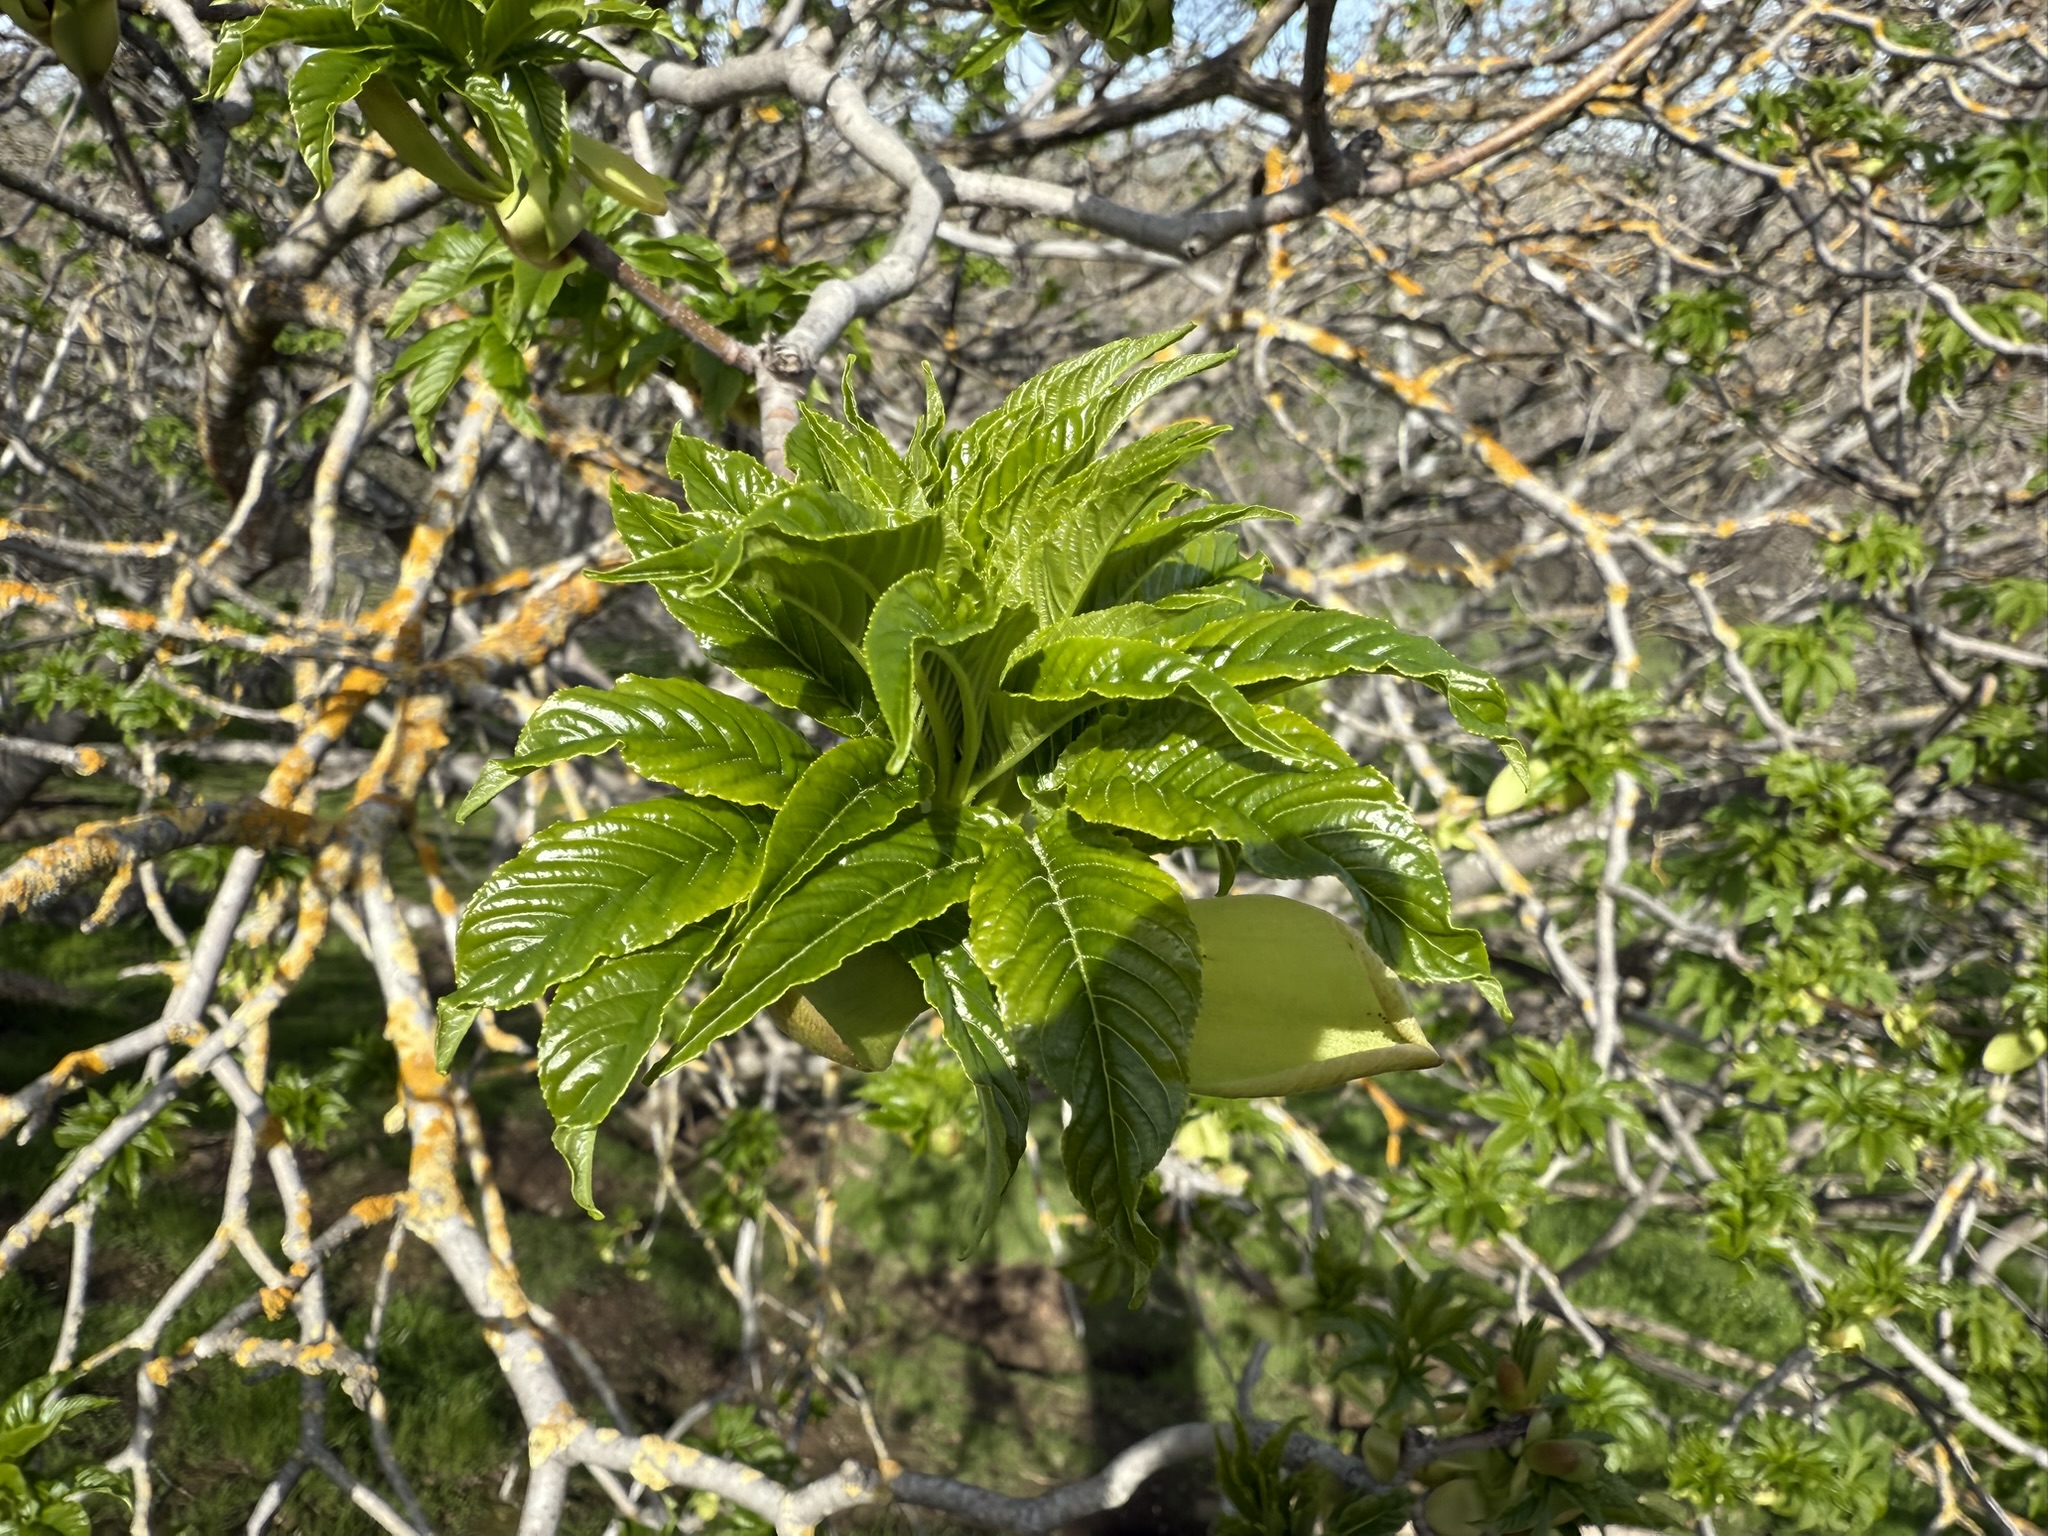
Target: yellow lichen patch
(505, 1292)
(511, 581)
(276, 1301)
(657, 1458)
(500, 1040)
(372, 1209)
(1280, 171)
(1396, 1118)
(77, 1067)
(553, 1434)
(158, 1370)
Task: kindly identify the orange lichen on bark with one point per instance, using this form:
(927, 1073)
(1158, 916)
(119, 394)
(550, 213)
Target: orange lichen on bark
(540, 623)
(102, 848)
(1396, 1118)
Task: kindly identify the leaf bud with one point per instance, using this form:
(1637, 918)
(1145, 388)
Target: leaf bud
(1456, 1509)
(1549, 1354)
(1512, 1385)
(1574, 1461)
(1382, 1450)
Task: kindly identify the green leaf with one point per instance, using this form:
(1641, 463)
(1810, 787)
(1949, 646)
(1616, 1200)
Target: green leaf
(1126, 667)
(1180, 553)
(623, 880)
(838, 580)
(1305, 645)
(1171, 772)
(434, 363)
(454, 259)
(308, 26)
(871, 892)
(577, 1145)
(748, 629)
(1093, 954)
(318, 88)
(546, 106)
(1050, 425)
(966, 1004)
(912, 618)
(857, 464)
(679, 732)
(501, 120)
(928, 440)
(850, 793)
(599, 1030)
(722, 486)
(986, 52)
(1059, 543)
(878, 456)
(650, 525)
(783, 650)
(503, 367)
(841, 553)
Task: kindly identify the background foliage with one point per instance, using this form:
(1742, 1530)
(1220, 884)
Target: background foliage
(1681, 367)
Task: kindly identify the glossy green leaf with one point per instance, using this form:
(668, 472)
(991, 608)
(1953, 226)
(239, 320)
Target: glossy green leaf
(849, 793)
(454, 259)
(1172, 773)
(722, 487)
(501, 119)
(652, 525)
(1179, 553)
(1057, 547)
(867, 546)
(871, 892)
(319, 87)
(850, 462)
(1126, 667)
(749, 629)
(1307, 644)
(1094, 958)
(913, 618)
(973, 1022)
(926, 458)
(679, 732)
(624, 879)
(546, 105)
(785, 651)
(431, 366)
(1048, 426)
(307, 26)
(987, 52)
(599, 1030)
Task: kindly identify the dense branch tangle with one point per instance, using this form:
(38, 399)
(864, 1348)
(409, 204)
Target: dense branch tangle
(1613, 326)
